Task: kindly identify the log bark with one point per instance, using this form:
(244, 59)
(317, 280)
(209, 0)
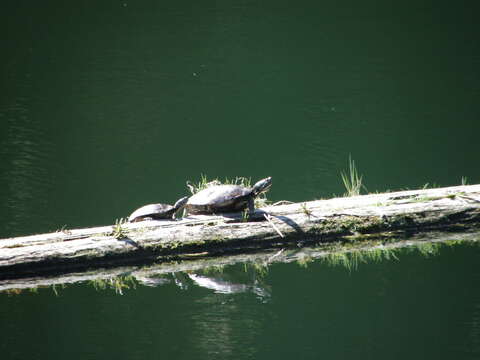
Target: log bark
(321, 221)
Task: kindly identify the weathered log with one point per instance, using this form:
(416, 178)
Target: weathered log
(263, 258)
(353, 218)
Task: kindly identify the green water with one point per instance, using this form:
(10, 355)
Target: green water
(107, 106)
(417, 307)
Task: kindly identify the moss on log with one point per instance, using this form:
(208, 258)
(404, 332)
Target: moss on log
(354, 219)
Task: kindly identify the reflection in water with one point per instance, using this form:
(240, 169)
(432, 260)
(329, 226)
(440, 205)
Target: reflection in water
(152, 281)
(221, 286)
(218, 283)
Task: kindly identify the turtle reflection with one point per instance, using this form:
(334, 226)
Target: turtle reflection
(219, 282)
(152, 280)
(222, 286)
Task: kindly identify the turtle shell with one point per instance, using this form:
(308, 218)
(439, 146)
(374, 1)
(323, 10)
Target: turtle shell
(152, 211)
(219, 198)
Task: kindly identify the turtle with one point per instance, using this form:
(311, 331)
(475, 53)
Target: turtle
(226, 198)
(157, 211)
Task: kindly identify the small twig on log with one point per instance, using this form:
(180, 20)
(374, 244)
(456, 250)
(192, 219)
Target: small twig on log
(283, 202)
(275, 255)
(468, 198)
(273, 225)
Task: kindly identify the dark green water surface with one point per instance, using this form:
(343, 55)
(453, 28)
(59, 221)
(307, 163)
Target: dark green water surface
(415, 307)
(107, 106)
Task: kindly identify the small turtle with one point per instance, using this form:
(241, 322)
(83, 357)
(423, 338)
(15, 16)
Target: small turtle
(157, 211)
(226, 198)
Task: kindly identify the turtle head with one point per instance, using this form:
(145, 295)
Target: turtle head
(180, 203)
(262, 185)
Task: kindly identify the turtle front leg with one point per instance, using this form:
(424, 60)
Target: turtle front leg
(251, 207)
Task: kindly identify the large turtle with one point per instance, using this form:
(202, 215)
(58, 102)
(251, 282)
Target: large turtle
(157, 211)
(226, 198)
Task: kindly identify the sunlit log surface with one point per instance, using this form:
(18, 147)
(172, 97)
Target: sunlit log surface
(322, 221)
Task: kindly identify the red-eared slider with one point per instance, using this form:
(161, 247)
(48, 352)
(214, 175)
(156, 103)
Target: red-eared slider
(226, 198)
(157, 211)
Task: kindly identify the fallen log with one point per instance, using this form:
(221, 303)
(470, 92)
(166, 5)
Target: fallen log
(350, 219)
(115, 277)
